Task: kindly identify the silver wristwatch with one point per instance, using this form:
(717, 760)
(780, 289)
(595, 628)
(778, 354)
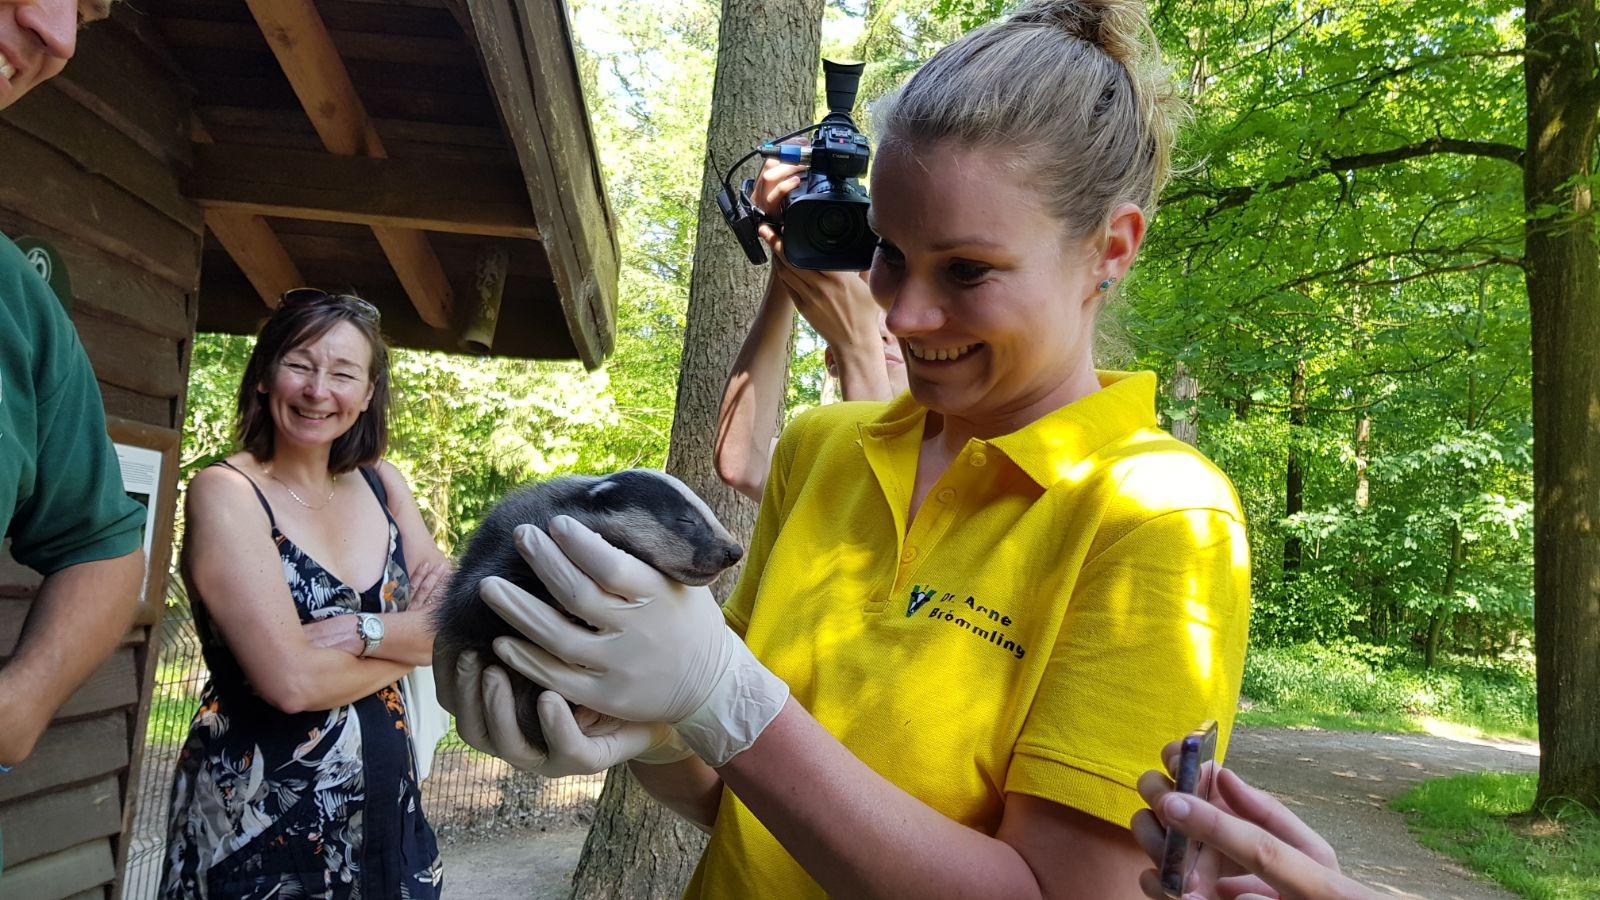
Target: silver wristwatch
(370, 628)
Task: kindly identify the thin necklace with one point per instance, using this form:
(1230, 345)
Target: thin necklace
(297, 496)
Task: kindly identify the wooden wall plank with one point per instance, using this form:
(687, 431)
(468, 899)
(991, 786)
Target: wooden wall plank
(139, 407)
(60, 874)
(48, 823)
(50, 116)
(129, 358)
(59, 194)
(112, 686)
(114, 287)
(115, 76)
(68, 753)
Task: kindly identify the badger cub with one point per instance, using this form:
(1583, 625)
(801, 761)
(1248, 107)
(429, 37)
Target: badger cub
(645, 512)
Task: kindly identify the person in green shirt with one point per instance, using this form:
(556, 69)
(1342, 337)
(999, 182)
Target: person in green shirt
(61, 499)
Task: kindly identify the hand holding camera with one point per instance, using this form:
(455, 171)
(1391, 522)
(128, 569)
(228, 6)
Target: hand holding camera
(824, 217)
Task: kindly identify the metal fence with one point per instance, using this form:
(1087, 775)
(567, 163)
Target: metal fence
(467, 795)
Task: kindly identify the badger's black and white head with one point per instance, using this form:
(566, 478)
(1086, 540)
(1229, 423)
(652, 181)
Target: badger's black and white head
(655, 517)
(644, 512)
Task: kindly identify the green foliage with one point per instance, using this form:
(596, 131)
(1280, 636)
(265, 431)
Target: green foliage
(1322, 227)
(216, 366)
(1483, 821)
(1389, 685)
(465, 431)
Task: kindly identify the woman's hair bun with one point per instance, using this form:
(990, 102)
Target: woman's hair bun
(1116, 26)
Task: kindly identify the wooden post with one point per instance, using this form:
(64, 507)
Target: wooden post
(488, 288)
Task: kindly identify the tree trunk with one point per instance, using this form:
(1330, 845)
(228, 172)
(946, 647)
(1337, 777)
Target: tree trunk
(1184, 391)
(1294, 476)
(1446, 592)
(767, 63)
(636, 847)
(1563, 277)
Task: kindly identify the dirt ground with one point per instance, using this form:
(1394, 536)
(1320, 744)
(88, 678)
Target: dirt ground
(1339, 782)
(519, 865)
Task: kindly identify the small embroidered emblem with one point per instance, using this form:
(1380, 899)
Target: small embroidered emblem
(918, 598)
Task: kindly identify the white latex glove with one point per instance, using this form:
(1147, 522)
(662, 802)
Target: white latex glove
(660, 651)
(580, 742)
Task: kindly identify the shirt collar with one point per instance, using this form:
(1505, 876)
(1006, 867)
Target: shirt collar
(1050, 447)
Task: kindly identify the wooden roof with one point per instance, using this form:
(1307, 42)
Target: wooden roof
(389, 147)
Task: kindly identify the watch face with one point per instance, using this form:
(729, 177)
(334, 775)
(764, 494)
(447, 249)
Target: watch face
(371, 628)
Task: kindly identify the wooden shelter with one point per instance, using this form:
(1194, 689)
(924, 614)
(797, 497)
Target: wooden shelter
(199, 157)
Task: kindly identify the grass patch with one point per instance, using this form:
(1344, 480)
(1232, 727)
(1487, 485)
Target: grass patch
(1359, 687)
(1483, 820)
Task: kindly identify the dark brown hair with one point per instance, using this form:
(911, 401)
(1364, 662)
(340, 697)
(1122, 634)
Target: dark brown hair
(294, 325)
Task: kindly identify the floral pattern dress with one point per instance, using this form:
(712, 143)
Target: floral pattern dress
(317, 804)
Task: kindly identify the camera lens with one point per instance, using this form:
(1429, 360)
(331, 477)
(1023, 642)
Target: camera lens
(835, 226)
(828, 232)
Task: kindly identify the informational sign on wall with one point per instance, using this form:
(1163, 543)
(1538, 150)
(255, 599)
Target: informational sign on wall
(141, 480)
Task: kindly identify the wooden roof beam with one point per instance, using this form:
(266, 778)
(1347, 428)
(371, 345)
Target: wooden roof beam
(251, 242)
(306, 53)
(257, 250)
(388, 193)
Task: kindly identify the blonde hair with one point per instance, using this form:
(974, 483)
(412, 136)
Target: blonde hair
(1073, 92)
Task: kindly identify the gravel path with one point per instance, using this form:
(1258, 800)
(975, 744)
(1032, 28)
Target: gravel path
(1339, 782)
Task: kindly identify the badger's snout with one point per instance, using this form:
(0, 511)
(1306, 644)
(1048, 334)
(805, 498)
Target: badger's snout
(706, 564)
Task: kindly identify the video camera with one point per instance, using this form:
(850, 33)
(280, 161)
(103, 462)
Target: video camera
(824, 222)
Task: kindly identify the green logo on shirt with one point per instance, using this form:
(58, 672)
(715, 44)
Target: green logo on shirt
(918, 598)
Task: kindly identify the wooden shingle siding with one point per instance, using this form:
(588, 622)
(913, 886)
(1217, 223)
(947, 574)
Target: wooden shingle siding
(76, 871)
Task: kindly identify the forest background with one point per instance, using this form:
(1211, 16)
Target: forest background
(1332, 294)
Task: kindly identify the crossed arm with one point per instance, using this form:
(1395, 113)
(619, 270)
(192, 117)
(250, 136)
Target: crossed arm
(230, 559)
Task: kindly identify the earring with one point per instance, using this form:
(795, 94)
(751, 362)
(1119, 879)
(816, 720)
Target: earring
(1106, 285)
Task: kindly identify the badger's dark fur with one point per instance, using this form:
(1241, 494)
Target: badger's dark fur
(645, 512)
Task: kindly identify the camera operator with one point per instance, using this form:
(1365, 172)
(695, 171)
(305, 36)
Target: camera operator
(861, 354)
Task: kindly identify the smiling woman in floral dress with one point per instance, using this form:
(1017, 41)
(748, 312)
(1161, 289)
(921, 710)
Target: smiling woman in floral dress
(297, 779)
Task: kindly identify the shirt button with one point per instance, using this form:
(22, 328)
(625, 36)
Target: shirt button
(978, 460)
(909, 555)
(946, 495)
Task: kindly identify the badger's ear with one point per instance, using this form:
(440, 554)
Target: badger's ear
(603, 489)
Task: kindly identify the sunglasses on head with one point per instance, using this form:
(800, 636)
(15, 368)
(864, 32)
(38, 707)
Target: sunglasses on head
(310, 296)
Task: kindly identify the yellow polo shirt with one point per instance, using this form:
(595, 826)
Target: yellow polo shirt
(1069, 597)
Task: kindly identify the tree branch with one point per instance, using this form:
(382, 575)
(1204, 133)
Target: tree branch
(1228, 197)
(1460, 267)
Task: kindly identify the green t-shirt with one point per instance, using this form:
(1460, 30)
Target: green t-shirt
(61, 495)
